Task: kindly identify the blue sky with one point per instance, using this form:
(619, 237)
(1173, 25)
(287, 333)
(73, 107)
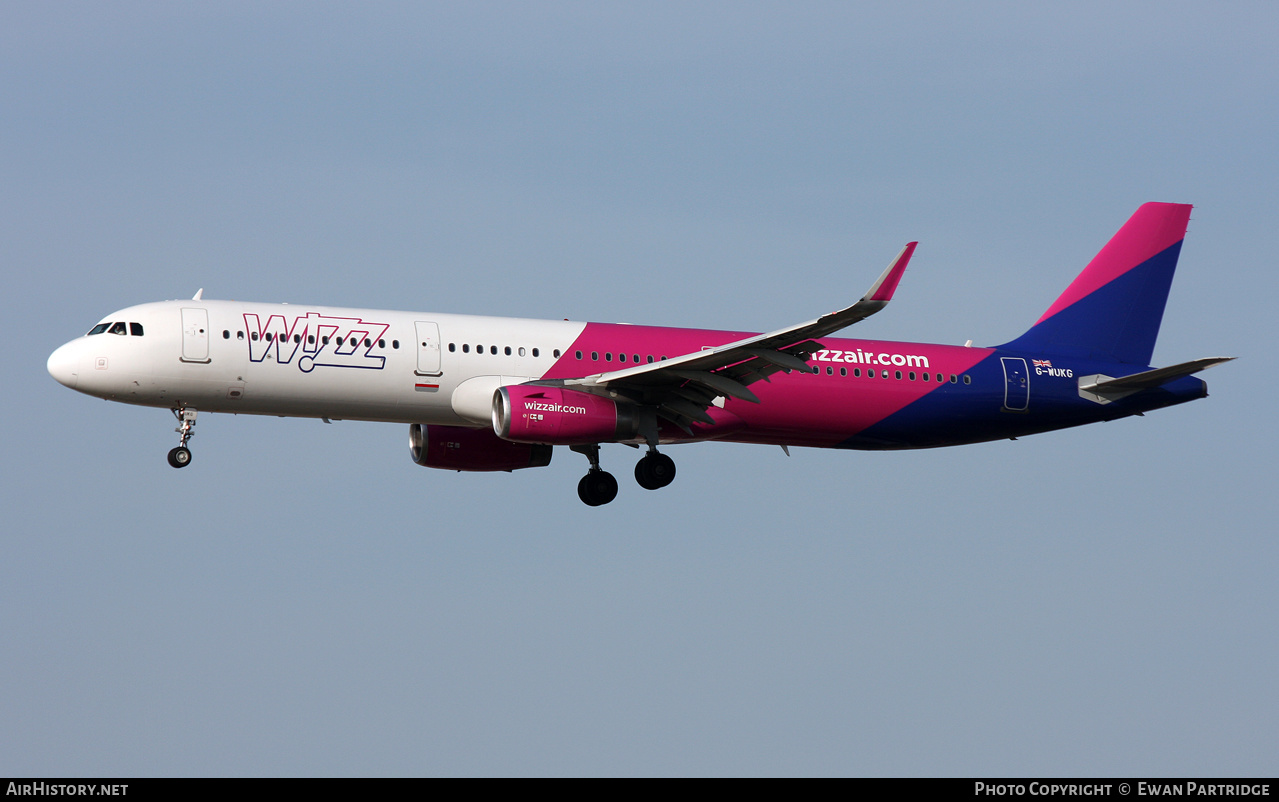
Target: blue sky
(305, 600)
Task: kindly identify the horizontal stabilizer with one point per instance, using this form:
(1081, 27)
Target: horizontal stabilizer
(1104, 389)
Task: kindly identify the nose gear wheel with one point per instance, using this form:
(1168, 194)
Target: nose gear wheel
(180, 457)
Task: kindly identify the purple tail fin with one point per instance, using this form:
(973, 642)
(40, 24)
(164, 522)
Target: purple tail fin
(1112, 310)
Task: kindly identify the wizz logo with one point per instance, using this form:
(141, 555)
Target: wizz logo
(336, 342)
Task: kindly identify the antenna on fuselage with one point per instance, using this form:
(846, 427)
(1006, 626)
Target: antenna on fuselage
(198, 294)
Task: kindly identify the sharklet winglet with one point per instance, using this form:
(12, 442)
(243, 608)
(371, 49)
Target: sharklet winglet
(886, 284)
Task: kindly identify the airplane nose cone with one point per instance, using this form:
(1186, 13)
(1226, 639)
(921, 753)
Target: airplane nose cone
(64, 365)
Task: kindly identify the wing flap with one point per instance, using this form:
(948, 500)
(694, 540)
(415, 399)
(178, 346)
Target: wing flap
(719, 383)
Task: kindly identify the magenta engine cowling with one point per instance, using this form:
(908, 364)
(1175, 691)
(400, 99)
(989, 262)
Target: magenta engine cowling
(455, 448)
(554, 415)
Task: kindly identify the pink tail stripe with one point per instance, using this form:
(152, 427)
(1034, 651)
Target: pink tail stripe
(1152, 229)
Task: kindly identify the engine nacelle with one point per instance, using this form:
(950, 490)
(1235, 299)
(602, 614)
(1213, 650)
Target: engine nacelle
(532, 414)
(455, 448)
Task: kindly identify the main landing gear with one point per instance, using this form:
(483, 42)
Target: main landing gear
(653, 472)
(598, 485)
(180, 457)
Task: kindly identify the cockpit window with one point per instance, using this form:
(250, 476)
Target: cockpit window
(98, 329)
(117, 328)
(135, 329)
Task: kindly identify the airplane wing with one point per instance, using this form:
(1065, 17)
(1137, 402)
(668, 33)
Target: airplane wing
(683, 387)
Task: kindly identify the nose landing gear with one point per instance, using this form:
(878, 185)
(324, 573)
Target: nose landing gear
(180, 457)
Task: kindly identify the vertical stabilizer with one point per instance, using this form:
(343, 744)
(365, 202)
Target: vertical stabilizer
(1112, 310)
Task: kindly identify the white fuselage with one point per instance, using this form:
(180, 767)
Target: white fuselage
(311, 361)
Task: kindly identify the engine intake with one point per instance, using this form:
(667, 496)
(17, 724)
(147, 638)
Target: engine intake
(527, 413)
(456, 448)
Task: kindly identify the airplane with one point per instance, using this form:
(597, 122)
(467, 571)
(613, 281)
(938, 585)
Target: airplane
(499, 394)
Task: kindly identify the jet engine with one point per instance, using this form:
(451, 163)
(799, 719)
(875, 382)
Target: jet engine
(526, 413)
(456, 448)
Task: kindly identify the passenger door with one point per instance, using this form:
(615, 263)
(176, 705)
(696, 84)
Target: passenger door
(1016, 384)
(428, 348)
(195, 335)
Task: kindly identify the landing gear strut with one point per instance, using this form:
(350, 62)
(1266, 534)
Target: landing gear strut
(180, 457)
(598, 485)
(655, 470)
